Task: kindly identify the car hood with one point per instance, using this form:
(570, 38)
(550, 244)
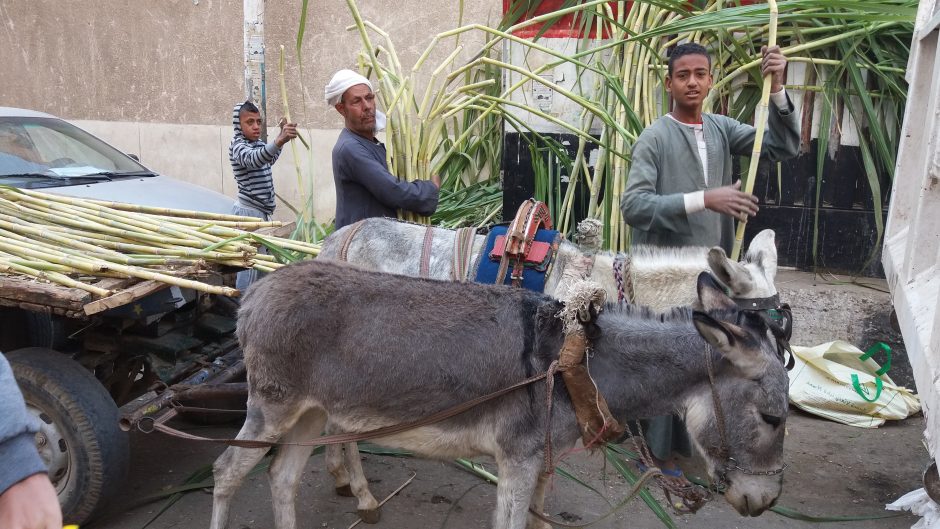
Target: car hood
(155, 191)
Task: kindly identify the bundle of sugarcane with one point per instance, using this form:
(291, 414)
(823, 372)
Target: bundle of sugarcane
(56, 238)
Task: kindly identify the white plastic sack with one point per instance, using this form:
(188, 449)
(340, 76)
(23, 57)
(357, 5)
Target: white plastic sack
(920, 504)
(821, 384)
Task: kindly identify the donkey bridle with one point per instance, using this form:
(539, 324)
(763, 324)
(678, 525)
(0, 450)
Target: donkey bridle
(729, 463)
(779, 319)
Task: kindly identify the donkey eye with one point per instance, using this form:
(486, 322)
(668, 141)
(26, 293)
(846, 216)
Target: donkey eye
(772, 420)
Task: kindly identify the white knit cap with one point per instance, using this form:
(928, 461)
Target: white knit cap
(342, 80)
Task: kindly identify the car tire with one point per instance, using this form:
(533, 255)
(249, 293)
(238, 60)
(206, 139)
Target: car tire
(79, 438)
(46, 330)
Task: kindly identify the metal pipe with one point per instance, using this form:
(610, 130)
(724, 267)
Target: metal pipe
(223, 369)
(253, 13)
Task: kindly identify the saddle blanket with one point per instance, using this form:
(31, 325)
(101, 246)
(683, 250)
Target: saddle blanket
(533, 276)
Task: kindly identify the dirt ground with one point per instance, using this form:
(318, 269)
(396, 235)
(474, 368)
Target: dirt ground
(834, 470)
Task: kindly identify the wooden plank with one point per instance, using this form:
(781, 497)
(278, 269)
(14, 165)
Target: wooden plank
(124, 297)
(40, 293)
(280, 231)
(115, 283)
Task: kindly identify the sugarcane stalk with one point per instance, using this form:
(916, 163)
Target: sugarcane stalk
(63, 241)
(760, 123)
(122, 206)
(293, 145)
(85, 265)
(53, 277)
(94, 226)
(38, 265)
(39, 245)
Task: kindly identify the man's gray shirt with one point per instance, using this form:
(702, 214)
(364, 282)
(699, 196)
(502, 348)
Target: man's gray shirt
(365, 188)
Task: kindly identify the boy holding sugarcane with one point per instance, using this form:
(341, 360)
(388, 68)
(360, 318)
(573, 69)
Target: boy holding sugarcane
(251, 161)
(364, 186)
(680, 190)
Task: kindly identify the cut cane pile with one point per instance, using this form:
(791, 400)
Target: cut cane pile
(69, 240)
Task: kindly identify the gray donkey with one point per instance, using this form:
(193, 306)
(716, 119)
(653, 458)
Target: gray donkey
(368, 350)
(659, 278)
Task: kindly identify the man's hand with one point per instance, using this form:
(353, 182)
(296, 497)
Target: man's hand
(436, 180)
(775, 64)
(730, 200)
(288, 132)
(31, 504)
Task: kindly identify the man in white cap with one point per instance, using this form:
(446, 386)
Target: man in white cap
(364, 186)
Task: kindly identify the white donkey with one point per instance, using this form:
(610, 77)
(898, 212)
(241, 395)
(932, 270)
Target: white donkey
(658, 278)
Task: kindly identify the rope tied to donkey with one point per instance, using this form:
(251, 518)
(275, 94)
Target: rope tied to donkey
(589, 233)
(584, 301)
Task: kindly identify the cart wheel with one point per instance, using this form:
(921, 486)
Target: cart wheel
(79, 439)
(932, 481)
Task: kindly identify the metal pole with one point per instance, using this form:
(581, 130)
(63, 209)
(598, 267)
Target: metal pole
(254, 58)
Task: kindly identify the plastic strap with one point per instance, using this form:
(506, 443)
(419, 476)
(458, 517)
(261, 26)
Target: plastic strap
(879, 385)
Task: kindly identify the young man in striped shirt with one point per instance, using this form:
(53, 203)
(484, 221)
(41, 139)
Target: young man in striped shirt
(251, 161)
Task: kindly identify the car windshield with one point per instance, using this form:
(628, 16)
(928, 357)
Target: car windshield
(51, 149)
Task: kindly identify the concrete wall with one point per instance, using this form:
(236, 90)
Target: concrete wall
(159, 79)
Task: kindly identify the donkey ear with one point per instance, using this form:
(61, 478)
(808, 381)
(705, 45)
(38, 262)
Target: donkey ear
(763, 252)
(710, 294)
(716, 333)
(734, 274)
(729, 340)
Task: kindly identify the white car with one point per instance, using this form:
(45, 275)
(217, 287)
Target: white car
(40, 151)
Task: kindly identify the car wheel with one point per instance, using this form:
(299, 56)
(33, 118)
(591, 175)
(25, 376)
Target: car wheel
(79, 438)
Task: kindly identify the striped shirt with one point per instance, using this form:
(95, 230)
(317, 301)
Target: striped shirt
(251, 164)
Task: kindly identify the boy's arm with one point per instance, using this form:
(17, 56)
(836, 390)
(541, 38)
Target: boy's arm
(641, 205)
(255, 157)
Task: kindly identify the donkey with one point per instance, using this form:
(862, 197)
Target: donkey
(338, 347)
(660, 278)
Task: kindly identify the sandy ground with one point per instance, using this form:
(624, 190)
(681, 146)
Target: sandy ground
(834, 470)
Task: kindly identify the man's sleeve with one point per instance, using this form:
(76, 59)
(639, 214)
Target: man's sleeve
(642, 207)
(781, 137)
(255, 157)
(420, 196)
(17, 433)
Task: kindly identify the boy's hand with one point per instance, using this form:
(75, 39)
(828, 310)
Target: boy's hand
(775, 64)
(730, 200)
(288, 132)
(436, 180)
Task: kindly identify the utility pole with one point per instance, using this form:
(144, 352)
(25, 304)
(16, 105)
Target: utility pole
(254, 58)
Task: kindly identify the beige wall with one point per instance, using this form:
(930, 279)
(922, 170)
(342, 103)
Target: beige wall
(159, 79)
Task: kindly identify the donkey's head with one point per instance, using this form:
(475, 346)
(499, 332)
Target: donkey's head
(754, 276)
(737, 421)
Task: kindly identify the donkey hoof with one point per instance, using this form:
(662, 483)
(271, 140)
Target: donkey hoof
(371, 516)
(345, 491)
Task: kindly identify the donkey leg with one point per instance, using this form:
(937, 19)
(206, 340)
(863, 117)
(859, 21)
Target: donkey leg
(230, 469)
(517, 479)
(368, 507)
(335, 466)
(288, 466)
(538, 503)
